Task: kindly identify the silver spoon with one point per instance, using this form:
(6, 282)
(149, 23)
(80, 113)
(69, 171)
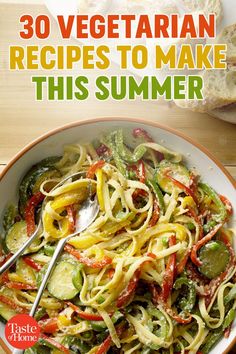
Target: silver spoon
(31, 239)
(85, 216)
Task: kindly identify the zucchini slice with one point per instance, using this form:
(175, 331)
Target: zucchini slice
(214, 257)
(61, 284)
(26, 272)
(9, 217)
(27, 184)
(6, 313)
(17, 236)
(175, 170)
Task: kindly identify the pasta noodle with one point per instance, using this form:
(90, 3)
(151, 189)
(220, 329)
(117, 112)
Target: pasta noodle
(143, 277)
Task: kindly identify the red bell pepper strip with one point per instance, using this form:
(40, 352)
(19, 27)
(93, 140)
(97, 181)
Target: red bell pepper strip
(4, 278)
(227, 331)
(85, 315)
(140, 171)
(157, 299)
(49, 325)
(92, 169)
(141, 175)
(105, 346)
(227, 204)
(111, 272)
(155, 214)
(180, 185)
(20, 286)
(199, 279)
(87, 261)
(11, 303)
(71, 217)
(102, 150)
(30, 210)
(169, 272)
(176, 317)
(182, 264)
(152, 255)
(155, 294)
(4, 259)
(30, 262)
(139, 192)
(55, 344)
(193, 183)
(141, 133)
(202, 242)
(127, 293)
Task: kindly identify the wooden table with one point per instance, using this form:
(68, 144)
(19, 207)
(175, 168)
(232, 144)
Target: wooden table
(23, 119)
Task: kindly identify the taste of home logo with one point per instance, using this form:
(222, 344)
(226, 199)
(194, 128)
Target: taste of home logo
(22, 331)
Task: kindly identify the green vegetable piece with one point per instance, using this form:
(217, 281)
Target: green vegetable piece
(60, 284)
(186, 303)
(176, 170)
(101, 299)
(6, 313)
(42, 177)
(17, 236)
(146, 350)
(214, 257)
(211, 340)
(164, 241)
(231, 295)
(163, 330)
(229, 318)
(222, 212)
(9, 217)
(191, 226)
(158, 194)
(25, 271)
(77, 278)
(214, 246)
(100, 326)
(109, 141)
(44, 343)
(49, 250)
(27, 183)
(124, 153)
(40, 313)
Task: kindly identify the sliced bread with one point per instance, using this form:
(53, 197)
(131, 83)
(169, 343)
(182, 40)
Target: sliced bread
(206, 7)
(228, 36)
(219, 90)
(227, 113)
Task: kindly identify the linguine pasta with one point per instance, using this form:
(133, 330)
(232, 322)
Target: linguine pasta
(145, 276)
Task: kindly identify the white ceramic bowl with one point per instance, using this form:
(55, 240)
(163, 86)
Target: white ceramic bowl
(52, 143)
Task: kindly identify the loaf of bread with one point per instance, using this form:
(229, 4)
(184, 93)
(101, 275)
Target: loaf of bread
(206, 7)
(227, 113)
(228, 36)
(219, 90)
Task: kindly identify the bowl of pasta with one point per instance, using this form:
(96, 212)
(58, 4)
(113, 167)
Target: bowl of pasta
(155, 271)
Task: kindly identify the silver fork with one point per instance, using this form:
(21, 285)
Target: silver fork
(85, 216)
(31, 239)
